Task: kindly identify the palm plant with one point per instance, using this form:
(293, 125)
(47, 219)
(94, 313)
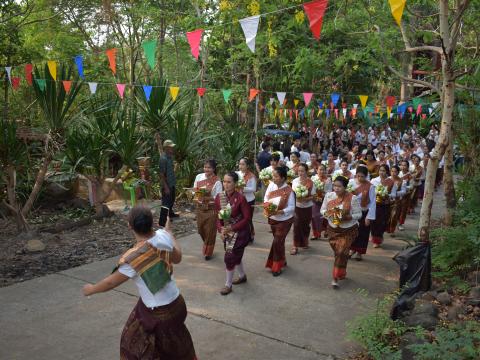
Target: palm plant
(157, 112)
(109, 128)
(234, 142)
(190, 137)
(55, 106)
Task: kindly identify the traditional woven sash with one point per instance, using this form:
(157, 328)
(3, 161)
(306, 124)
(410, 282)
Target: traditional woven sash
(372, 167)
(364, 189)
(330, 167)
(151, 264)
(348, 175)
(283, 193)
(207, 183)
(247, 176)
(230, 238)
(388, 183)
(346, 201)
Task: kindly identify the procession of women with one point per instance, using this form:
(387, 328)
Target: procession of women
(349, 186)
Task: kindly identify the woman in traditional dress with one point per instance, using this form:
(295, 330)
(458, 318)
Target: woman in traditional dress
(234, 228)
(313, 164)
(248, 190)
(343, 211)
(406, 199)
(372, 164)
(206, 187)
(279, 203)
(343, 170)
(396, 204)
(416, 170)
(294, 162)
(156, 326)
(379, 225)
(331, 163)
(365, 193)
(319, 223)
(303, 209)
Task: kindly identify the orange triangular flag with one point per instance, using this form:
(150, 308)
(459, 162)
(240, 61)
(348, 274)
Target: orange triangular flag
(111, 54)
(253, 93)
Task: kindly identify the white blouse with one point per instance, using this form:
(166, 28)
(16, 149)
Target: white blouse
(217, 187)
(328, 183)
(372, 205)
(355, 212)
(303, 204)
(289, 209)
(403, 188)
(378, 181)
(250, 187)
(161, 240)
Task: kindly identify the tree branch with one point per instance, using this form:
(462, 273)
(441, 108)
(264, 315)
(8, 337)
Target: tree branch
(414, 81)
(436, 49)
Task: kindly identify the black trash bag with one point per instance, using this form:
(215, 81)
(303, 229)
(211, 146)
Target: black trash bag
(415, 275)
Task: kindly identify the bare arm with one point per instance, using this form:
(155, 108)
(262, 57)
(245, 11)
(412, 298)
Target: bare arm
(176, 256)
(109, 283)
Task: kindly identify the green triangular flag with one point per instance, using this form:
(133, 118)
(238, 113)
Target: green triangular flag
(226, 94)
(149, 47)
(41, 84)
(416, 102)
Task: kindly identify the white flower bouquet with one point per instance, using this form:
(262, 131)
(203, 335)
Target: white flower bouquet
(301, 191)
(265, 175)
(225, 213)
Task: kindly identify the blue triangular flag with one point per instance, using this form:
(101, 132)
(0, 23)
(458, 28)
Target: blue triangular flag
(79, 63)
(335, 97)
(327, 111)
(320, 104)
(147, 89)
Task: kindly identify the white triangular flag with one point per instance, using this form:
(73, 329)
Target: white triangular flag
(435, 104)
(430, 110)
(250, 27)
(281, 97)
(344, 111)
(355, 106)
(93, 87)
(272, 101)
(8, 69)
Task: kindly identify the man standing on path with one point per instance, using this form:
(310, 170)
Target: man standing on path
(263, 158)
(167, 176)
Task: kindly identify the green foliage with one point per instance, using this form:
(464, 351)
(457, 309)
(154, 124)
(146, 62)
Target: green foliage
(456, 249)
(455, 342)
(377, 332)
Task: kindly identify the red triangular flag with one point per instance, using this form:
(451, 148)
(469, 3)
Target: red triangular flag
(419, 109)
(28, 73)
(315, 11)
(194, 38)
(111, 54)
(15, 82)
(253, 93)
(201, 91)
(67, 84)
(390, 101)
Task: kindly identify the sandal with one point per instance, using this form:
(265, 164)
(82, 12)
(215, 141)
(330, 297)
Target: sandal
(294, 251)
(240, 280)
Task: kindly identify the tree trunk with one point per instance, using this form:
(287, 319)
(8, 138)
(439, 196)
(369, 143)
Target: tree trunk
(38, 185)
(449, 185)
(448, 90)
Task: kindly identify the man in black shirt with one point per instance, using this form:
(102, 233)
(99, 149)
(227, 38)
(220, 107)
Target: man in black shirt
(263, 158)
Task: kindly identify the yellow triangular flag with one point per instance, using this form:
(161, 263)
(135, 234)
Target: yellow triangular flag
(174, 92)
(389, 111)
(52, 67)
(363, 100)
(397, 7)
(296, 101)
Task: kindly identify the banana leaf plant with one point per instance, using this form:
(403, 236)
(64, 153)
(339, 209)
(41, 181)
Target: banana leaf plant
(55, 106)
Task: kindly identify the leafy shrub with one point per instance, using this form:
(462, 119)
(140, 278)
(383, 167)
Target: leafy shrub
(377, 332)
(455, 342)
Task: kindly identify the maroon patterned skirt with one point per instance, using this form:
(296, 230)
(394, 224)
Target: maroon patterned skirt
(157, 334)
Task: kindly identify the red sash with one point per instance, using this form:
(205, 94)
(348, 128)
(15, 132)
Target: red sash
(388, 183)
(347, 203)
(248, 175)
(364, 189)
(283, 193)
(207, 183)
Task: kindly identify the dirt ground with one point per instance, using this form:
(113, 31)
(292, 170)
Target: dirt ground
(101, 239)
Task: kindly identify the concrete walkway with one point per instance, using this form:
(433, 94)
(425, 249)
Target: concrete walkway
(294, 316)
